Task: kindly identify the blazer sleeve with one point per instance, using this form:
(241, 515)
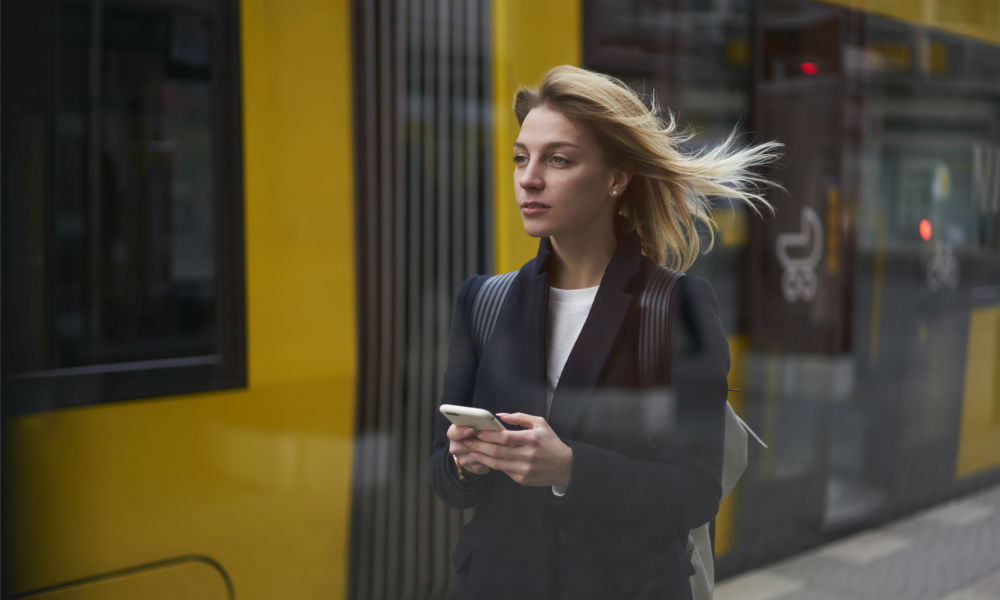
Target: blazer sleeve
(681, 479)
(459, 386)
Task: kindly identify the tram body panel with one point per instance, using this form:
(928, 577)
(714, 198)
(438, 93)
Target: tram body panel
(257, 480)
(979, 433)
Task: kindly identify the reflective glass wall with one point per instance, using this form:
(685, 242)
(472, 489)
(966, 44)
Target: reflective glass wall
(422, 123)
(851, 311)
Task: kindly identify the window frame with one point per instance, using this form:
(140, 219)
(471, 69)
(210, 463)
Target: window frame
(57, 388)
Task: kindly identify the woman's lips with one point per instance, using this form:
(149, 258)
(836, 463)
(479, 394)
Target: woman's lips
(533, 208)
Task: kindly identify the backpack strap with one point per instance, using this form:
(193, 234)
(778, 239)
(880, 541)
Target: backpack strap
(655, 350)
(487, 306)
(654, 327)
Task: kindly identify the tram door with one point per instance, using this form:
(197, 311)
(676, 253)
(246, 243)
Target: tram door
(858, 310)
(799, 298)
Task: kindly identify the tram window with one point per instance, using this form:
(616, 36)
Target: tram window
(932, 118)
(122, 245)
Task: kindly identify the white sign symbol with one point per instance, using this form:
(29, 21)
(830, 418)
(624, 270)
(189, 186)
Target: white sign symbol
(943, 270)
(798, 282)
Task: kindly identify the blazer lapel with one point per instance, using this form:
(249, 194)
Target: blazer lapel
(586, 361)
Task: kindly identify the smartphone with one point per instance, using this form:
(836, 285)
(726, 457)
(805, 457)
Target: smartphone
(467, 416)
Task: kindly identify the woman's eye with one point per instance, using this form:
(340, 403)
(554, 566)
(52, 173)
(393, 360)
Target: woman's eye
(520, 159)
(560, 161)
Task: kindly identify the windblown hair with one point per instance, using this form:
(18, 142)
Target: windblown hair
(670, 191)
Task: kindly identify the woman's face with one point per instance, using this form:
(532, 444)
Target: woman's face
(561, 179)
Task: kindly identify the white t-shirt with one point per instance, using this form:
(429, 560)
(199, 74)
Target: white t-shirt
(568, 310)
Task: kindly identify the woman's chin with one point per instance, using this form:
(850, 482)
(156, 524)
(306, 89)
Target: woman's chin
(535, 230)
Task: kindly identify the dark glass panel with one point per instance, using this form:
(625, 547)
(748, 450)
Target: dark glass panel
(120, 280)
(134, 234)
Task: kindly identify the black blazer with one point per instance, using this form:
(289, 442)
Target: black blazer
(646, 463)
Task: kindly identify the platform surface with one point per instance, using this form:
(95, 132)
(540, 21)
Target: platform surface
(948, 552)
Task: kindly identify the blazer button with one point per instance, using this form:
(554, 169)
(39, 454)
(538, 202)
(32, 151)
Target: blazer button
(561, 537)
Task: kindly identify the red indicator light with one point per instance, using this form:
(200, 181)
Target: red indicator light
(809, 68)
(925, 229)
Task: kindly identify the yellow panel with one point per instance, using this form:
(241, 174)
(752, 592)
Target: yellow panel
(257, 479)
(978, 19)
(299, 194)
(979, 435)
(529, 38)
(734, 228)
(725, 522)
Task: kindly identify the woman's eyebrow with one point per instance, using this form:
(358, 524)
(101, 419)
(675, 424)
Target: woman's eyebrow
(548, 146)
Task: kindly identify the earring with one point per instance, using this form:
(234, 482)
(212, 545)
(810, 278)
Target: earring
(614, 192)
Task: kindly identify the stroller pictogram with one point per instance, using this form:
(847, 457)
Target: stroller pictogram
(799, 281)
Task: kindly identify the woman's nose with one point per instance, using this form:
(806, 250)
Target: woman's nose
(530, 176)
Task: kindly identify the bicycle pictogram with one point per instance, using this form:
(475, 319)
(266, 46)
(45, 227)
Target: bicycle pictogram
(943, 270)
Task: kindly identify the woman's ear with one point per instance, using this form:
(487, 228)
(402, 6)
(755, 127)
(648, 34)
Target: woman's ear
(620, 179)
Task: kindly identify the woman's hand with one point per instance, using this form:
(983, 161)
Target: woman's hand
(535, 456)
(458, 448)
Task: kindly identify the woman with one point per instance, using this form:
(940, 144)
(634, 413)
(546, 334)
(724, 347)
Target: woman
(591, 491)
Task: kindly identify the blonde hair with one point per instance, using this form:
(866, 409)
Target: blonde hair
(670, 191)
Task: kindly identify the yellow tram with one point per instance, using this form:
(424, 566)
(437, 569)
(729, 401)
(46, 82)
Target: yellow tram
(233, 231)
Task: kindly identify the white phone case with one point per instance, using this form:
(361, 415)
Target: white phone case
(467, 416)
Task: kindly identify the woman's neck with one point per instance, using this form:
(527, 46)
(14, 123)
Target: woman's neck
(580, 263)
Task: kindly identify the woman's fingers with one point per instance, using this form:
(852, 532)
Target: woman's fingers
(471, 464)
(490, 449)
(523, 420)
(458, 447)
(465, 447)
(456, 433)
(504, 438)
(535, 429)
(477, 467)
(524, 472)
(512, 468)
(533, 456)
